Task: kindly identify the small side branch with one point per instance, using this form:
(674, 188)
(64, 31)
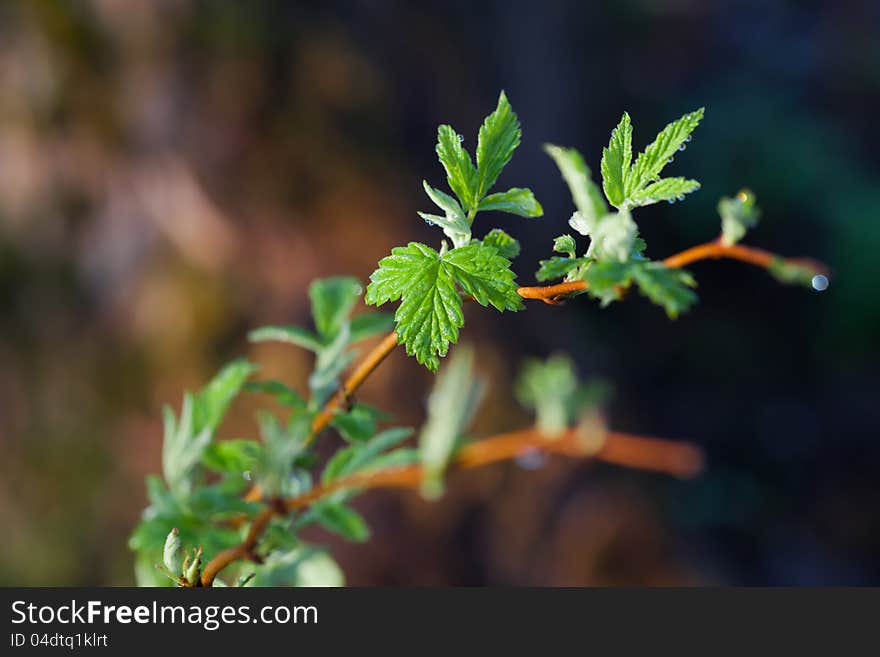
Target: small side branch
(708, 251)
(676, 458)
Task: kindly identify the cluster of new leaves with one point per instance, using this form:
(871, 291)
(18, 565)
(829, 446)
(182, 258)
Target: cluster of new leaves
(430, 283)
(201, 491)
(196, 510)
(615, 259)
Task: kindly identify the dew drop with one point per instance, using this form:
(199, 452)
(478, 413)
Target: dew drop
(681, 148)
(246, 475)
(819, 283)
(688, 138)
(669, 161)
(680, 197)
(671, 201)
(531, 459)
(460, 138)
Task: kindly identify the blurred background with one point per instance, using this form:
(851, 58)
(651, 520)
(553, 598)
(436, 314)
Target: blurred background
(174, 173)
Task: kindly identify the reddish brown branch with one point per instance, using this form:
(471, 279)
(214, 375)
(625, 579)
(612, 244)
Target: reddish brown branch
(667, 456)
(354, 381)
(709, 250)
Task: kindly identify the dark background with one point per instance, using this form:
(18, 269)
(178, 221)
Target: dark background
(174, 173)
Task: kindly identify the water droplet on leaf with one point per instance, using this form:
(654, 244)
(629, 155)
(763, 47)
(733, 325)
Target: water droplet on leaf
(819, 283)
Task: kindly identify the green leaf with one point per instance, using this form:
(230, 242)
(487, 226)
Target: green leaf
(547, 388)
(485, 275)
(211, 403)
(738, 215)
(292, 334)
(616, 160)
(451, 405)
(366, 325)
(359, 423)
(332, 359)
(613, 237)
(362, 456)
(430, 315)
(665, 189)
(498, 138)
(342, 520)
(666, 287)
(586, 195)
(186, 440)
(516, 200)
(233, 456)
(558, 267)
(281, 446)
(507, 246)
(281, 392)
(454, 224)
(332, 301)
(607, 279)
(298, 566)
(172, 554)
(565, 244)
(658, 153)
(461, 175)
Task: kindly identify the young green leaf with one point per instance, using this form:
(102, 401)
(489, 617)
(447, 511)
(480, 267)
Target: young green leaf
(514, 201)
(484, 274)
(547, 387)
(362, 456)
(455, 225)
(281, 392)
(430, 314)
(332, 301)
(292, 334)
(298, 566)
(210, 404)
(337, 518)
(658, 153)
(186, 440)
(586, 195)
(607, 279)
(616, 160)
(506, 245)
(451, 405)
(281, 445)
(665, 189)
(565, 244)
(666, 287)
(461, 175)
(232, 456)
(359, 423)
(558, 267)
(498, 138)
(613, 237)
(738, 215)
(366, 325)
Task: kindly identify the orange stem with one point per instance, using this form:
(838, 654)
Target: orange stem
(354, 381)
(710, 250)
(676, 458)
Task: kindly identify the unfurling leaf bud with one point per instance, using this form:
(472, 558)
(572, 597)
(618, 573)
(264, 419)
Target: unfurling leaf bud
(172, 555)
(191, 571)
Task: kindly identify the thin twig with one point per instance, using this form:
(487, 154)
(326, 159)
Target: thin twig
(710, 250)
(676, 458)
